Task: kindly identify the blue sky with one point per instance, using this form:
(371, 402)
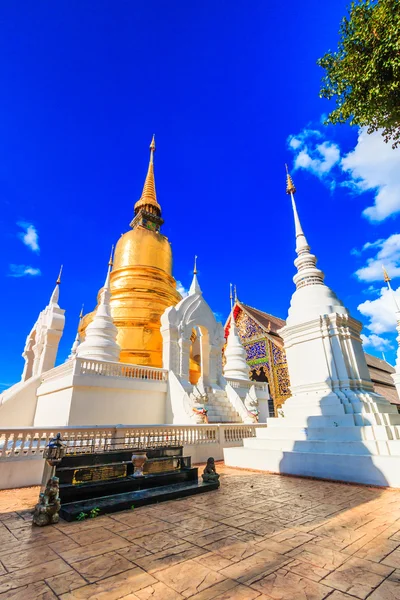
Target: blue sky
(231, 91)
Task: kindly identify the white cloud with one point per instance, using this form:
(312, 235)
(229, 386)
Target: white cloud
(375, 341)
(23, 271)
(318, 158)
(30, 236)
(374, 166)
(388, 255)
(180, 288)
(381, 312)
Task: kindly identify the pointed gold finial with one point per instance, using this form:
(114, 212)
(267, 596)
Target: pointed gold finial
(231, 295)
(290, 188)
(195, 265)
(59, 276)
(149, 197)
(110, 262)
(153, 144)
(235, 293)
(386, 277)
(81, 314)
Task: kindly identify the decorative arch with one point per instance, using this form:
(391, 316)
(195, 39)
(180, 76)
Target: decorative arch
(177, 324)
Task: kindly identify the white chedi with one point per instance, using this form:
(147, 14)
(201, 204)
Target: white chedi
(101, 334)
(236, 366)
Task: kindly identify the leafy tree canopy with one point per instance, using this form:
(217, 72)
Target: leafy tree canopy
(363, 75)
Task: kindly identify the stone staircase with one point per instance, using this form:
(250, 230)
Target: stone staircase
(220, 409)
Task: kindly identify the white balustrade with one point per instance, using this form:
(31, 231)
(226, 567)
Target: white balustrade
(121, 370)
(242, 383)
(29, 442)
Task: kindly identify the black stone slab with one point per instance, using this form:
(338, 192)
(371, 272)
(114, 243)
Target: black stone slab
(97, 489)
(118, 502)
(114, 456)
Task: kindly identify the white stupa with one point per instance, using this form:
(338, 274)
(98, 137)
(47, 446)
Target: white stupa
(101, 334)
(334, 425)
(236, 366)
(396, 374)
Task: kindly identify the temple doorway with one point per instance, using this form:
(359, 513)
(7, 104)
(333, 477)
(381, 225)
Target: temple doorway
(195, 356)
(261, 375)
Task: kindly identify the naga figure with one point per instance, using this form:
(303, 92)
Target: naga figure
(46, 510)
(210, 475)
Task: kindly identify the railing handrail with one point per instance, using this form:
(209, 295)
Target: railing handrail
(29, 442)
(89, 366)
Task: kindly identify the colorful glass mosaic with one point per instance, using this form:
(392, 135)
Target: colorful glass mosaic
(256, 350)
(248, 328)
(279, 355)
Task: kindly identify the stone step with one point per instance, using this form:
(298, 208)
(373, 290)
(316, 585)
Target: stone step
(391, 448)
(354, 433)
(311, 421)
(370, 470)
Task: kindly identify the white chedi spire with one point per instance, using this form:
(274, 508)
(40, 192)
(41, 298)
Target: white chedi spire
(387, 280)
(195, 286)
(56, 292)
(75, 345)
(236, 366)
(307, 272)
(312, 297)
(101, 334)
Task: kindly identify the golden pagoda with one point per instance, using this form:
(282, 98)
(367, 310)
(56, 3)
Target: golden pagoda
(142, 286)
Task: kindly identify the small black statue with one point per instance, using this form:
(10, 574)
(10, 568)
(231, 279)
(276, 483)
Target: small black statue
(46, 510)
(210, 475)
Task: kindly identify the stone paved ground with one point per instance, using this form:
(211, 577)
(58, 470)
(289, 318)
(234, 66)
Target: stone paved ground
(260, 536)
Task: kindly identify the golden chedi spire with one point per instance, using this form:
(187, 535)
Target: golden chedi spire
(148, 199)
(141, 281)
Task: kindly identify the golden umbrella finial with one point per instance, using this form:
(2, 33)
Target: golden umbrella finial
(195, 266)
(386, 277)
(110, 262)
(153, 143)
(59, 276)
(290, 188)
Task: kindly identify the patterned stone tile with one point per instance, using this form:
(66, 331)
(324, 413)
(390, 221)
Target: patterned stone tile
(66, 582)
(255, 566)
(285, 585)
(213, 561)
(319, 556)
(204, 538)
(158, 542)
(34, 574)
(389, 589)
(100, 534)
(34, 591)
(358, 577)
(393, 559)
(132, 552)
(113, 588)
(29, 558)
(84, 552)
(158, 591)
(100, 567)
(306, 569)
(189, 578)
(233, 548)
(169, 557)
(147, 529)
(198, 523)
(378, 549)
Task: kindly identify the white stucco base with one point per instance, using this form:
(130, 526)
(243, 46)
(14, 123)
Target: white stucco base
(371, 470)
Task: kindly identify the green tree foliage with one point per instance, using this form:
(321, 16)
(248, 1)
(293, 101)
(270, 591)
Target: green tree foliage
(363, 75)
